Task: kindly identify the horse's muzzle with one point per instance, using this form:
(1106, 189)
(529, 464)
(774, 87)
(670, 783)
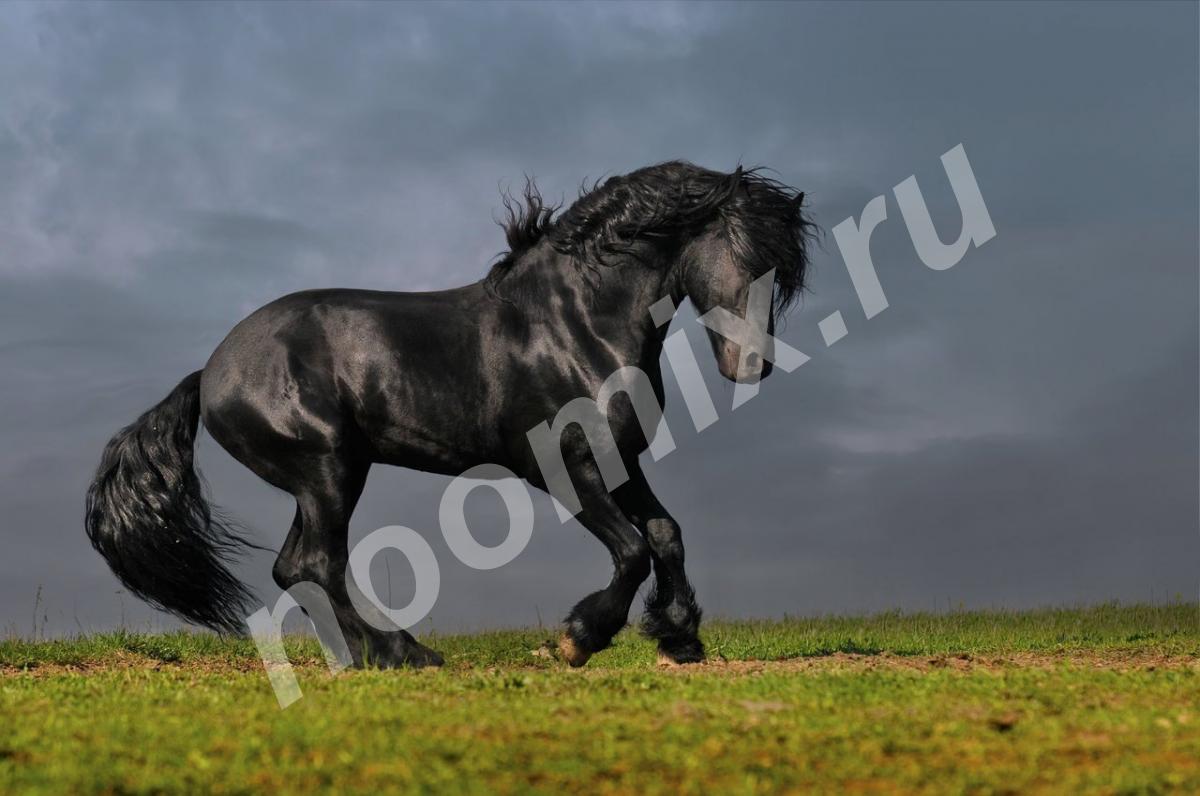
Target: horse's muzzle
(753, 370)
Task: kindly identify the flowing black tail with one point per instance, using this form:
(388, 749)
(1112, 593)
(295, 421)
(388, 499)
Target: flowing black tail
(146, 514)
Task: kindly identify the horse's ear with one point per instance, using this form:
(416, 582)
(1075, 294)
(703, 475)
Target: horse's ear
(799, 200)
(737, 174)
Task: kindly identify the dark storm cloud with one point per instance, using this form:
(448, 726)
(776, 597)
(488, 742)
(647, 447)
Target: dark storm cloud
(1019, 429)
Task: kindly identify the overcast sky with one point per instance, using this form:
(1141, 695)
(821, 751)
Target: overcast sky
(1018, 430)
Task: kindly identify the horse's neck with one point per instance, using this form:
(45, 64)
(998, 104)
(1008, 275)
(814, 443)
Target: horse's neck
(613, 299)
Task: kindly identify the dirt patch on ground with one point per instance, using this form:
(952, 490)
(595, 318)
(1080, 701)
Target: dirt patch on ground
(1117, 660)
(131, 661)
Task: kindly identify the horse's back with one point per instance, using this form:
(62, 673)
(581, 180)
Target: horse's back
(397, 374)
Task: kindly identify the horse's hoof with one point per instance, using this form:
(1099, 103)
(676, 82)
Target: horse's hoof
(684, 654)
(423, 657)
(571, 652)
(667, 662)
(411, 655)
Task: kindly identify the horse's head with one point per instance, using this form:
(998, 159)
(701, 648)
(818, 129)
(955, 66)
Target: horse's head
(759, 232)
(717, 233)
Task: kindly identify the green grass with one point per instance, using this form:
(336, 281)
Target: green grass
(1105, 698)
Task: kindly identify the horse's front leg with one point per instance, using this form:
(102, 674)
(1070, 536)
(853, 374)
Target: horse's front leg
(594, 621)
(672, 616)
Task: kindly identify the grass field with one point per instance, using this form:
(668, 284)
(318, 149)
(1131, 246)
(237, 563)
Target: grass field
(1105, 698)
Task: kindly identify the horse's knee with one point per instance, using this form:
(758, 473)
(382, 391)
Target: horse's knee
(664, 538)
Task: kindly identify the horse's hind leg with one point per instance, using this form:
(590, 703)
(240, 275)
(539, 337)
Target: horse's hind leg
(317, 551)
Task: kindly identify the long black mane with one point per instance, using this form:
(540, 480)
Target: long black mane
(763, 219)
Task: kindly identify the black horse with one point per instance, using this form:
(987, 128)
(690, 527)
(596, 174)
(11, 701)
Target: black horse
(312, 389)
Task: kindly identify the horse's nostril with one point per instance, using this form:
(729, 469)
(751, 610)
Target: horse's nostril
(754, 362)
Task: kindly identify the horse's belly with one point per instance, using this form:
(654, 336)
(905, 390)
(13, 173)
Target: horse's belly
(419, 422)
(420, 449)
